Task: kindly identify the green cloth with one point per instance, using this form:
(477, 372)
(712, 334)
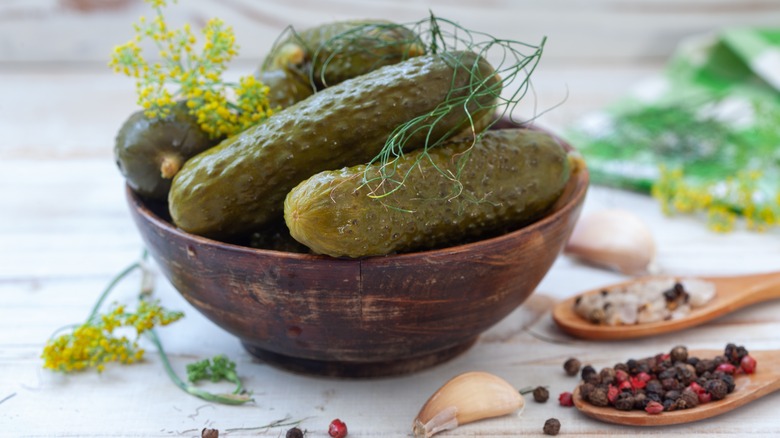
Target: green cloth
(704, 137)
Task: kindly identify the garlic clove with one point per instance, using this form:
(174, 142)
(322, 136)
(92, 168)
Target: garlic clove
(466, 398)
(615, 239)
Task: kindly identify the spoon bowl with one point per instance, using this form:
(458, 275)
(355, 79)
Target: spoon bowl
(731, 293)
(748, 387)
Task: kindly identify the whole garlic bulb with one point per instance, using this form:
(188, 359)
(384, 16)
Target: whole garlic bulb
(615, 239)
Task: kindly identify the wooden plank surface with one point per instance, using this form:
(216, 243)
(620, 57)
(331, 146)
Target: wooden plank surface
(65, 230)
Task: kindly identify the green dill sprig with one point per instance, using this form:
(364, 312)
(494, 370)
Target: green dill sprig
(215, 369)
(513, 62)
(374, 42)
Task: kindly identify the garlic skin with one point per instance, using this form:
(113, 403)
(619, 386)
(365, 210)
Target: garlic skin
(466, 398)
(615, 239)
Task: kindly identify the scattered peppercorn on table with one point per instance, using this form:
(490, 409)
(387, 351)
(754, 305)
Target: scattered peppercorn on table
(65, 232)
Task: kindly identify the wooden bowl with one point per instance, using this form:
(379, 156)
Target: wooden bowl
(359, 318)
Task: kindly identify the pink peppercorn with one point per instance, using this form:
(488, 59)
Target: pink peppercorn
(565, 399)
(748, 364)
(695, 387)
(637, 383)
(726, 368)
(654, 408)
(337, 429)
(612, 394)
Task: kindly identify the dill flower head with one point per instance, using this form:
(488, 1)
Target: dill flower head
(736, 196)
(184, 73)
(96, 342)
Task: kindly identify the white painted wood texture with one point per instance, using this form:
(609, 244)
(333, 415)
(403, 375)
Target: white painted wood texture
(65, 230)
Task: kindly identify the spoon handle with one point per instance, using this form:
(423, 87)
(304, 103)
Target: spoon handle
(750, 289)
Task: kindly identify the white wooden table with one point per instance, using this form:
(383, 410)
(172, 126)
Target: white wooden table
(65, 230)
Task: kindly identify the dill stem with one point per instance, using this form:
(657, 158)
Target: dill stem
(228, 399)
(119, 277)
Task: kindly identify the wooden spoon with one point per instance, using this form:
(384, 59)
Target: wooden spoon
(748, 387)
(731, 293)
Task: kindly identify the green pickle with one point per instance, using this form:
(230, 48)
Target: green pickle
(512, 177)
(329, 54)
(239, 185)
(149, 152)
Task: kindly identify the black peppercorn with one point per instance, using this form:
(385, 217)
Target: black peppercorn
(669, 295)
(294, 433)
(625, 401)
(741, 352)
(669, 373)
(734, 353)
(688, 399)
(541, 394)
(572, 366)
(704, 365)
(685, 373)
(640, 400)
(589, 373)
(672, 395)
(585, 390)
(717, 389)
(679, 354)
(209, 433)
(728, 378)
(598, 397)
(607, 375)
(651, 362)
(552, 426)
(670, 384)
(654, 396)
(633, 366)
(654, 387)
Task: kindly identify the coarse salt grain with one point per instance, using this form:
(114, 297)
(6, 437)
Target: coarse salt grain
(645, 301)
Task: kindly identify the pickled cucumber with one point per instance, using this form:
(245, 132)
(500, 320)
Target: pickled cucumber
(240, 184)
(149, 152)
(285, 87)
(511, 177)
(331, 53)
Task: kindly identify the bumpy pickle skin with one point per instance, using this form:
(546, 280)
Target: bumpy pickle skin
(512, 177)
(331, 53)
(239, 185)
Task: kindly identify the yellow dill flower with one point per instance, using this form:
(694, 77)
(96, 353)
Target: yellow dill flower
(721, 219)
(93, 344)
(185, 74)
(737, 196)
